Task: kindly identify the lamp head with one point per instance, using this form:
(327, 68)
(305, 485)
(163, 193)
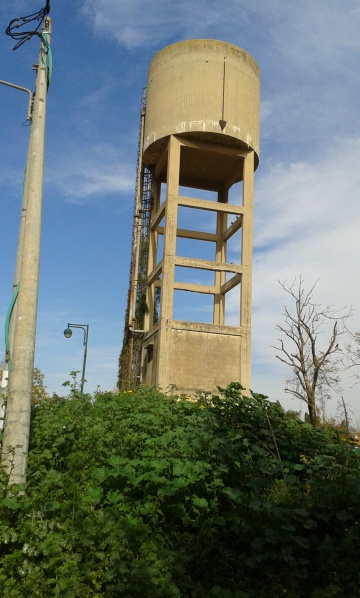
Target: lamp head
(68, 333)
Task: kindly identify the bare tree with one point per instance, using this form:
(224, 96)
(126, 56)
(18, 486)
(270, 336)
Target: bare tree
(353, 354)
(315, 371)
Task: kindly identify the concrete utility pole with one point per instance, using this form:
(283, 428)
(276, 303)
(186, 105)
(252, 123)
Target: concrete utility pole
(10, 319)
(17, 418)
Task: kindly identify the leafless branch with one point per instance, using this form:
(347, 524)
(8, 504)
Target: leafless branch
(314, 371)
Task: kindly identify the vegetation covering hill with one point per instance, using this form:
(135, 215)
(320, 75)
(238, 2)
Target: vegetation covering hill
(138, 494)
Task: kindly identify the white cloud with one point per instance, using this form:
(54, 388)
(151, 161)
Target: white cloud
(131, 24)
(94, 172)
(298, 30)
(306, 223)
(312, 198)
(307, 53)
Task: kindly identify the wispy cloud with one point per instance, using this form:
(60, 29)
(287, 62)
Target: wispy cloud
(96, 172)
(297, 30)
(134, 24)
(308, 198)
(306, 223)
(300, 47)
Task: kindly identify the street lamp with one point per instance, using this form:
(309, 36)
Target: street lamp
(68, 334)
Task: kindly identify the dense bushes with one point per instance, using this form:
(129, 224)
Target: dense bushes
(138, 494)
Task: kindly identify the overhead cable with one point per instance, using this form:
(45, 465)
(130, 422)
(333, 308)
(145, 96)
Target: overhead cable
(23, 36)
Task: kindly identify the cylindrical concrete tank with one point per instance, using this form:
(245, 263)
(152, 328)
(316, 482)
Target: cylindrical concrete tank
(203, 89)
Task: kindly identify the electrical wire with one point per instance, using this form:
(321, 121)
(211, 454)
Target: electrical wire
(7, 324)
(23, 36)
(47, 59)
(13, 298)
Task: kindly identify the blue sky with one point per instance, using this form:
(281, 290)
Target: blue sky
(307, 186)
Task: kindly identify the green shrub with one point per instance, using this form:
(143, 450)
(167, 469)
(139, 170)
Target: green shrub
(141, 494)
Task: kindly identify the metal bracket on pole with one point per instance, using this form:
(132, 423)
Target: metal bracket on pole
(31, 96)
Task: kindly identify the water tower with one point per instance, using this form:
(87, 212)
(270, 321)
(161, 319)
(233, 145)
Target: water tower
(200, 142)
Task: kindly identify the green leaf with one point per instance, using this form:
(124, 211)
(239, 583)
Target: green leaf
(11, 502)
(100, 474)
(116, 460)
(95, 492)
(233, 493)
(180, 469)
(310, 524)
(258, 543)
(343, 516)
(304, 542)
(302, 512)
(114, 497)
(200, 502)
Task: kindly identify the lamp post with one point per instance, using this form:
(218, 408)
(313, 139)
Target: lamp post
(68, 334)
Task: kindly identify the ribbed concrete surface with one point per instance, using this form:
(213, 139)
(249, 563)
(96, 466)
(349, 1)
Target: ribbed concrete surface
(196, 84)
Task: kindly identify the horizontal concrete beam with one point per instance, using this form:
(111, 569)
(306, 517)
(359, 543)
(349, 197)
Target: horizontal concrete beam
(188, 262)
(204, 204)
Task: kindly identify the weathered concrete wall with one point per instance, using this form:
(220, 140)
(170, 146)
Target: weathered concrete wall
(203, 359)
(196, 84)
(198, 357)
